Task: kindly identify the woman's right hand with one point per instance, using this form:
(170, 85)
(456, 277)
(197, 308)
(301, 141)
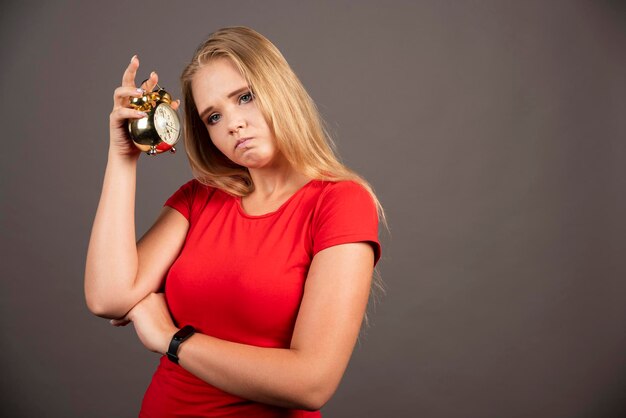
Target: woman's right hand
(121, 144)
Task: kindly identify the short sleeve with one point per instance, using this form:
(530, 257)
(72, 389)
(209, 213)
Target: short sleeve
(182, 199)
(345, 213)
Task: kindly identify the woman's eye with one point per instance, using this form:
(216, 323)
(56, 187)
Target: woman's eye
(214, 118)
(245, 98)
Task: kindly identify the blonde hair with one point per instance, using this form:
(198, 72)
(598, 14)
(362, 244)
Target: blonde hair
(290, 112)
(288, 109)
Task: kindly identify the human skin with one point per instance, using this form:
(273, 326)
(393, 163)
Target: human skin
(120, 271)
(306, 374)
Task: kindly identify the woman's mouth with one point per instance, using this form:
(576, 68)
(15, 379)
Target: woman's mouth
(242, 142)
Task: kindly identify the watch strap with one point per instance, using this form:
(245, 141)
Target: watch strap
(178, 338)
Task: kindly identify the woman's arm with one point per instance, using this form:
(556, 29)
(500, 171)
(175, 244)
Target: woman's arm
(303, 376)
(117, 275)
(120, 273)
(112, 262)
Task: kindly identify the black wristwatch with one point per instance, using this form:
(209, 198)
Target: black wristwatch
(177, 340)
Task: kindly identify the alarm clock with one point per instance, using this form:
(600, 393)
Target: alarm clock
(160, 130)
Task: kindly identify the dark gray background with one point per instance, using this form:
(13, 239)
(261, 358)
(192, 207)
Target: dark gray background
(492, 131)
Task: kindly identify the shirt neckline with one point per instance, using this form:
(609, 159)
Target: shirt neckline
(243, 213)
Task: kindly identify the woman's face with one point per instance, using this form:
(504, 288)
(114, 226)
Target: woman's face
(228, 110)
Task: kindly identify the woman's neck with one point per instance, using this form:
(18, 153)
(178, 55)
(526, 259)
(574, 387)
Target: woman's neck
(276, 181)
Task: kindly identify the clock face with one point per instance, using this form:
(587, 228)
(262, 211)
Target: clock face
(167, 124)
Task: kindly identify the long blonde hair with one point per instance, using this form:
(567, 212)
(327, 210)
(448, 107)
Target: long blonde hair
(290, 113)
(288, 109)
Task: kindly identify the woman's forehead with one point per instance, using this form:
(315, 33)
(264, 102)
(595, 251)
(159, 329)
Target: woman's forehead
(219, 72)
(215, 80)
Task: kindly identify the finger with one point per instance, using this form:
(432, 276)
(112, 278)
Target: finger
(122, 113)
(151, 82)
(175, 104)
(121, 95)
(128, 79)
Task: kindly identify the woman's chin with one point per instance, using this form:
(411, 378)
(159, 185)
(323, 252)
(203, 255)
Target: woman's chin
(255, 160)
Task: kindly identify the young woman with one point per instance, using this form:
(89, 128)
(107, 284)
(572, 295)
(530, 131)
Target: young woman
(265, 258)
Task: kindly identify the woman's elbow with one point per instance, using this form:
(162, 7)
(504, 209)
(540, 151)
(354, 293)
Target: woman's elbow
(99, 309)
(319, 391)
(109, 309)
(314, 401)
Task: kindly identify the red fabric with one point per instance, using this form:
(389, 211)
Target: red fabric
(241, 278)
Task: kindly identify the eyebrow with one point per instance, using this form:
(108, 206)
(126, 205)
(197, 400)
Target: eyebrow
(204, 113)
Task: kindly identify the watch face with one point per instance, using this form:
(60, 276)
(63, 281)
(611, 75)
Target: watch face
(167, 124)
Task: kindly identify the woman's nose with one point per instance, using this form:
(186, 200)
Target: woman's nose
(235, 123)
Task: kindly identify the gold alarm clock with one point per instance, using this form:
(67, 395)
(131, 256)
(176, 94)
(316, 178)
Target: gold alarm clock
(160, 130)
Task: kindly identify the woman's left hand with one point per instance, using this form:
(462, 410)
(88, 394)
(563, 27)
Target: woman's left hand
(153, 322)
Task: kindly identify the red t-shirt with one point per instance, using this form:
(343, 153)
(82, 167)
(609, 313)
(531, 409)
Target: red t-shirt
(241, 278)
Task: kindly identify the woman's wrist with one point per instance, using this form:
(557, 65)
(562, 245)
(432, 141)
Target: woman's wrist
(117, 159)
(167, 339)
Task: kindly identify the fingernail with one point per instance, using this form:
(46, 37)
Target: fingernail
(152, 74)
(140, 90)
(134, 56)
(142, 114)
